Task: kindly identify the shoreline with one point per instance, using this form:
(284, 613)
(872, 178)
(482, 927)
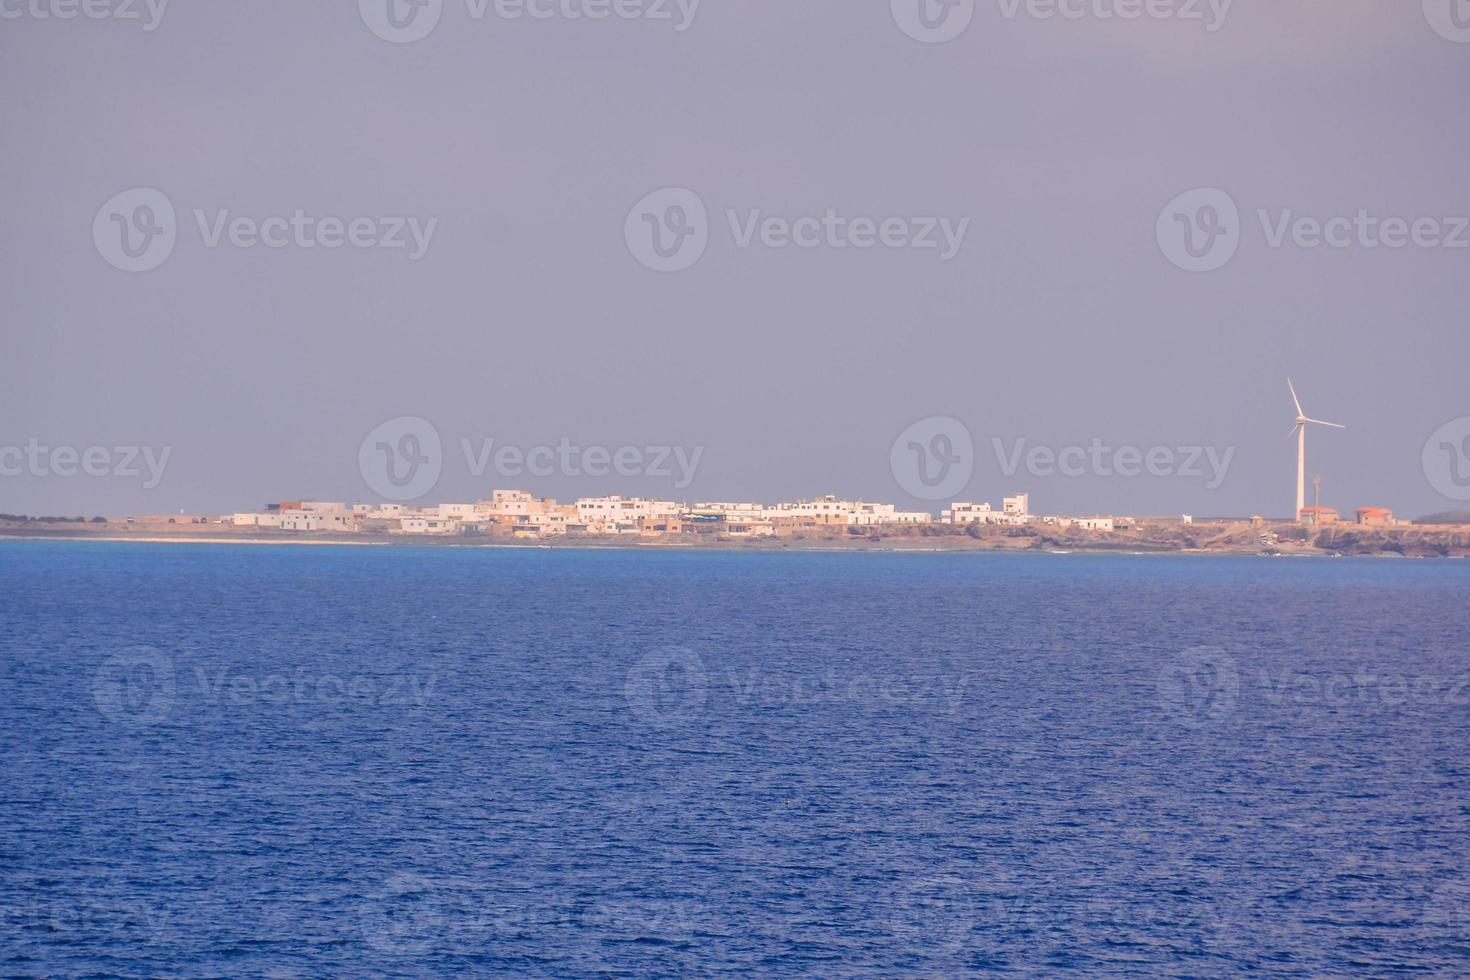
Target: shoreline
(893, 545)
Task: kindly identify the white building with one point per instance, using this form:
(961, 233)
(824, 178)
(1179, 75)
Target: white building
(851, 513)
(1015, 512)
(423, 524)
(966, 513)
(751, 512)
(869, 514)
(612, 512)
(302, 520)
(825, 510)
(523, 513)
(506, 503)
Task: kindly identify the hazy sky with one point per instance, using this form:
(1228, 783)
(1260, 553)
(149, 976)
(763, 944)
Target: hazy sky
(1059, 319)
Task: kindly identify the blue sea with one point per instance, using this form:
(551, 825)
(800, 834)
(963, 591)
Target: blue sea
(309, 761)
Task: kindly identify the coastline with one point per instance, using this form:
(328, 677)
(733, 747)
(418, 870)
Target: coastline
(1456, 544)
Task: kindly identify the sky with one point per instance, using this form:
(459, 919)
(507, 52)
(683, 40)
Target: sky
(277, 250)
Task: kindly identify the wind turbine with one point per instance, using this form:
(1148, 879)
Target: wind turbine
(1302, 421)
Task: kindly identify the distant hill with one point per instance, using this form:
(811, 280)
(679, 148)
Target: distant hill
(1448, 517)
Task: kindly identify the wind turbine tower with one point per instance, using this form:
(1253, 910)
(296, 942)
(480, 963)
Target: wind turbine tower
(1302, 421)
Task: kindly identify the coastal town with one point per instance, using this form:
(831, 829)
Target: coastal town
(518, 513)
(508, 517)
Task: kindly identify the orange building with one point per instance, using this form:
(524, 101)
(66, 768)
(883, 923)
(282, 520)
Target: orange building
(1320, 515)
(1375, 517)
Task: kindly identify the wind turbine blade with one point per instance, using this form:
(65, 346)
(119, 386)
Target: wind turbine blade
(1332, 424)
(1294, 397)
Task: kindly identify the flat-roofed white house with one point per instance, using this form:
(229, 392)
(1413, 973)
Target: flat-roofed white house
(1020, 505)
(302, 520)
(623, 510)
(523, 513)
(505, 503)
(966, 513)
(429, 524)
